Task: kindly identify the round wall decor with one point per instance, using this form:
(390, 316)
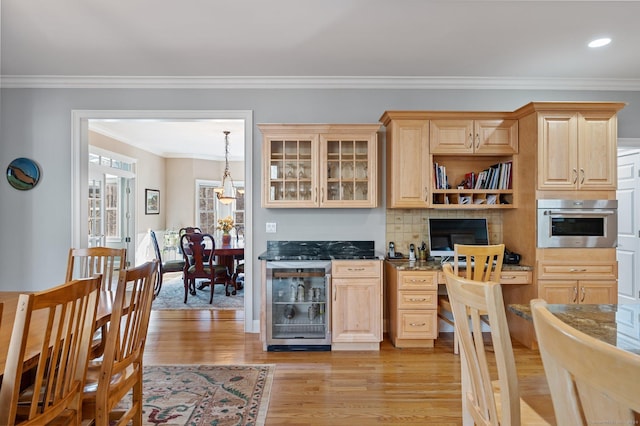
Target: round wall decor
(23, 173)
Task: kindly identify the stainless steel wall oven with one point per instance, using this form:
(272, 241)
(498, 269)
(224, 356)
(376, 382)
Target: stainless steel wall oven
(577, 223)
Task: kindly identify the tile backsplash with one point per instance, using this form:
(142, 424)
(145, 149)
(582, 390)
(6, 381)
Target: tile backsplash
(404, 227)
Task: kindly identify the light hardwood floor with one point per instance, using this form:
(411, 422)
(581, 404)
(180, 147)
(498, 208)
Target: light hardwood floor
(393, 386)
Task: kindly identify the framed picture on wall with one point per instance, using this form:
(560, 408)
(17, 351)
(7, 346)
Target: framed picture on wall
(152, 201)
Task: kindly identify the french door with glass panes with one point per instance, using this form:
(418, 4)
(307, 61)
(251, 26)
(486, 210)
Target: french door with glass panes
(110, 216)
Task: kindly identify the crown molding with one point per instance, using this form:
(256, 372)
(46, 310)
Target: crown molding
(314, 82)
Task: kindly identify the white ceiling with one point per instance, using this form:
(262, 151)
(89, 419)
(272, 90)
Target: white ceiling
(318, 43)
(203, 139)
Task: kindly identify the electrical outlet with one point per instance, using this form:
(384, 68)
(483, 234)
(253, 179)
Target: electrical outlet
(271, 227)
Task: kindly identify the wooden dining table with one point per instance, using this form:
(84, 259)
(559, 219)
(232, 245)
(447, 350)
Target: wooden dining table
(38, 325)
(226, 254)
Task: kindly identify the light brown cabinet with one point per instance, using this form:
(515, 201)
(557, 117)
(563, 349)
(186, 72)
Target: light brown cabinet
(408, 164)
(420, 143)
(412, 302)
(577, 151)
(473, 137)
(309, 165)
(356, 304)
(566, 277)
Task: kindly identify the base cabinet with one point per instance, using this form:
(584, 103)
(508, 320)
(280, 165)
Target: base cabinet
(412, 303)
(356, 305)
(581, 292)
(569, 276)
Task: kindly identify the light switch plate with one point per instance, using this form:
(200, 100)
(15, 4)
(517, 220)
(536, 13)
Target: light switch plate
(271, 227)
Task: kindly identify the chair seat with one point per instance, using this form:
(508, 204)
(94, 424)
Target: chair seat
(173, 265)
(218, 269)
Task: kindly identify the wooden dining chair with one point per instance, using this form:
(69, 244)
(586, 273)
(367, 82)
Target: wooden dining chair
(489, 399)
(86, 262)
(55, 387)
(119, 371)
(199, 257)
(164, 267)
(481, 263)
(591, 382)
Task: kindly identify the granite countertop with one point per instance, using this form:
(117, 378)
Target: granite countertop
(605, 322)
(433, 265)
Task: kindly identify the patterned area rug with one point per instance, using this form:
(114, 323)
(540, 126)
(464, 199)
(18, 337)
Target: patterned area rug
(172, 296)
(221, 395)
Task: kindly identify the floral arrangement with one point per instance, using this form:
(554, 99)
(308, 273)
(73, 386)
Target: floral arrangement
(225, 224)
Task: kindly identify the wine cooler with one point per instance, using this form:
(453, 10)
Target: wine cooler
(298, 309)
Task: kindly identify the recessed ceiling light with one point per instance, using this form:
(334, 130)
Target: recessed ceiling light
(600, 42)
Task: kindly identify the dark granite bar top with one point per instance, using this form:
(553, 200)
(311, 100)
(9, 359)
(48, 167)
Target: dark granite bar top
(436, 265)
(320, 250)
(613, 324)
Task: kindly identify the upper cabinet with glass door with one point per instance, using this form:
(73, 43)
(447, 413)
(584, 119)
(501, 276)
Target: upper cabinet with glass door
(320, 165)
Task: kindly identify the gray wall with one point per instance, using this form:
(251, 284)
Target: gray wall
(36, 123)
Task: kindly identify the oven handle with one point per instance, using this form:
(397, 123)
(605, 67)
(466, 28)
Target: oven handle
(579, 212)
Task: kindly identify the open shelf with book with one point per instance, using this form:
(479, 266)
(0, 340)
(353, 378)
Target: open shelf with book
(472, 182)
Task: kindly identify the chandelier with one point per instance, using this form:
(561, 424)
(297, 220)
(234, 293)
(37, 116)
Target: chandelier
(227, 192)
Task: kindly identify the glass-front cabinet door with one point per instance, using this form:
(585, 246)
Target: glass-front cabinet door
(320, 165)
(348, 171)
(291, 171)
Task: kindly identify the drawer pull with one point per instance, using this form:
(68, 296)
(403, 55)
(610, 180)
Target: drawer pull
(416, 324)
(577, 270)
(422, 280)
(413, 299)
(510, 277)
(355, 269)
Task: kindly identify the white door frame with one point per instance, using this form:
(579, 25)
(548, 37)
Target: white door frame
(80, 172)
(628, 250)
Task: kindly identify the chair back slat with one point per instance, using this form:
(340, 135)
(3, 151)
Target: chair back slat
(86, 262)
(64, 347)
(591, 382)
(482, 260)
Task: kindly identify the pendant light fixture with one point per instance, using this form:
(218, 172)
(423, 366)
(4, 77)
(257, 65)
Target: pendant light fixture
(226, 193)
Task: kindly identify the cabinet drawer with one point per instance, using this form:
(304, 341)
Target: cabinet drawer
(515, 277)
(359, 268)
(418, 280)
(418, 325)
(578, 271)
(417, 300)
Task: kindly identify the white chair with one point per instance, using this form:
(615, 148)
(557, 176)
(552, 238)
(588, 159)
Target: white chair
(591, 382)
(489, 401)
(481, 262)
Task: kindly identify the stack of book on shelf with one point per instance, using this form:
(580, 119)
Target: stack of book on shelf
(497, 176)
(440, 173)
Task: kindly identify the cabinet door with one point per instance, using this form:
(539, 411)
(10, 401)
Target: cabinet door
(451, 137)
(597, 155)
(408, 165)
(558, 291)
(348, 170)
(557, 151)
(290, 175)
(496, 137)
(594, 292)
(356, 310)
